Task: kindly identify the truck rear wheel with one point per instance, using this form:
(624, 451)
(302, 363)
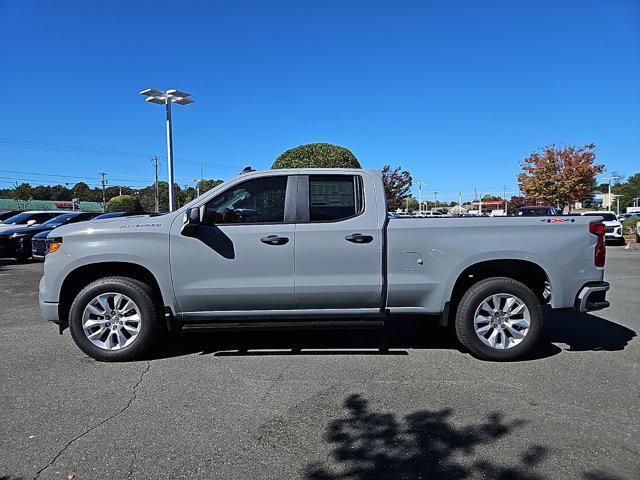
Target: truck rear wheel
(114, 319)
(498, 319)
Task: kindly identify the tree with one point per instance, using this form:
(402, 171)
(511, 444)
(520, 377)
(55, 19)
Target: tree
(559, 176)
(82, 191)
(517, 201)
(123, 203)
(317, 155)
(628, 191)
(397, 186)
(22, 194)
(206, 185)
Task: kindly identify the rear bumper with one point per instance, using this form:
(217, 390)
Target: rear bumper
(592, 297)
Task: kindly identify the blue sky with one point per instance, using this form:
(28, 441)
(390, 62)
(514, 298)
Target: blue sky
(456, 92)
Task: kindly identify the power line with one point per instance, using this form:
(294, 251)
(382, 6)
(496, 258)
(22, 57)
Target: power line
(10, 142)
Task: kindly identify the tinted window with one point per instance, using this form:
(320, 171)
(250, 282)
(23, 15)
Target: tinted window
(59, 220)
(607, 217)
(332, 197)
(254, 201)
(17, 219)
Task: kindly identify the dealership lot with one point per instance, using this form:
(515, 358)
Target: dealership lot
(324, 405)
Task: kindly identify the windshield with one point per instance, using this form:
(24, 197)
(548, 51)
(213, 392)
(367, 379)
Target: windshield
(17, 219)
(59, 220)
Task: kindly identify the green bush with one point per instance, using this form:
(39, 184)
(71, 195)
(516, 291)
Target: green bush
(124, 203)
(317, 155)
(629, 225)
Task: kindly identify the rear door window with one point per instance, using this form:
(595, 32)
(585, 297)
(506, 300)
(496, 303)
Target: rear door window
(334, 197)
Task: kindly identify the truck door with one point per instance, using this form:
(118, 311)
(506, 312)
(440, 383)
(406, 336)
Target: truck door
(241, 256)
(338, 261)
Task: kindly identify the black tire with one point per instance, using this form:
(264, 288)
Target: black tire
(470, 301)
(141, 294)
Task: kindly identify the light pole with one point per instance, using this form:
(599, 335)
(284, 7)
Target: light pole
(613, 177)
(420, 183)
(166, 98)
(197, 182)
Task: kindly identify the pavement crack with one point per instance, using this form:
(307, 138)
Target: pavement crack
(134, 394)
(133, 463)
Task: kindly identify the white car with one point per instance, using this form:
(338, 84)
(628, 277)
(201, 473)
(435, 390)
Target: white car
(638, 232)
(426, 213)
(613, 226)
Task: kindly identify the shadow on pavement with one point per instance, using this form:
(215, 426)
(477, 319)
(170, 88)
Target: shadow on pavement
(581, 332)
(369, 445)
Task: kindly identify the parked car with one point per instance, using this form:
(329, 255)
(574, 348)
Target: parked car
(318, 251)
(429, 214)
(638, 232)
(16, 242)
(102, 216)
(39, 245)
(537, 211)
(28, 219)
(4, 214)
(625, 216)
(613, 226)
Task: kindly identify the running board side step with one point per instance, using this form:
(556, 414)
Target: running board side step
(253, 325)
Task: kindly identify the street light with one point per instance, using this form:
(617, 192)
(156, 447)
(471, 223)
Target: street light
(420, 183)
(166, 98)
(197, 182)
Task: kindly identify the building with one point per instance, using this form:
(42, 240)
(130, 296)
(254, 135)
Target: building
(489, 206)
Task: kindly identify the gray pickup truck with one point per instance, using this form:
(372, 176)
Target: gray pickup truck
(315, 248)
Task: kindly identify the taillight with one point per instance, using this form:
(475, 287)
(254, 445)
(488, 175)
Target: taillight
(598, 228)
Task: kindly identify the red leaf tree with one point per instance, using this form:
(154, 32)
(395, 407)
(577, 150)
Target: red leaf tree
(559, 176)
(397, 186)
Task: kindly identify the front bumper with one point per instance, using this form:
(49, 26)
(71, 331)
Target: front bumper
(49, 310)
(592, 297)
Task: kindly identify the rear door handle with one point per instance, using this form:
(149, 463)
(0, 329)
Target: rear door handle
(359, 238)
(274, 240)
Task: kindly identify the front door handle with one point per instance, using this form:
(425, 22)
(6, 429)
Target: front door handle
(359, 238)
(274, 240)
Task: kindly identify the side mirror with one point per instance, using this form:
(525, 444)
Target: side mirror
(191, 218)
(31, 222)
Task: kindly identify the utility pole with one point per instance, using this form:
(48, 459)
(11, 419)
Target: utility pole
(504, 197)
(104, 186)
(460, 202)
(435, 196)
(475, 195)
(154, 161)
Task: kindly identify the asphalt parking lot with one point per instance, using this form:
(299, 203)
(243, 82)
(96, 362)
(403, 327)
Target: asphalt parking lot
(324, 405)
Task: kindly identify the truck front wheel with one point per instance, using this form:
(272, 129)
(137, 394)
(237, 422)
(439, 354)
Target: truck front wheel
(498, 319)
(114, 319)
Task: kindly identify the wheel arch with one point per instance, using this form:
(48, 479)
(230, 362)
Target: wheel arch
(527, 272)
(83, 275)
